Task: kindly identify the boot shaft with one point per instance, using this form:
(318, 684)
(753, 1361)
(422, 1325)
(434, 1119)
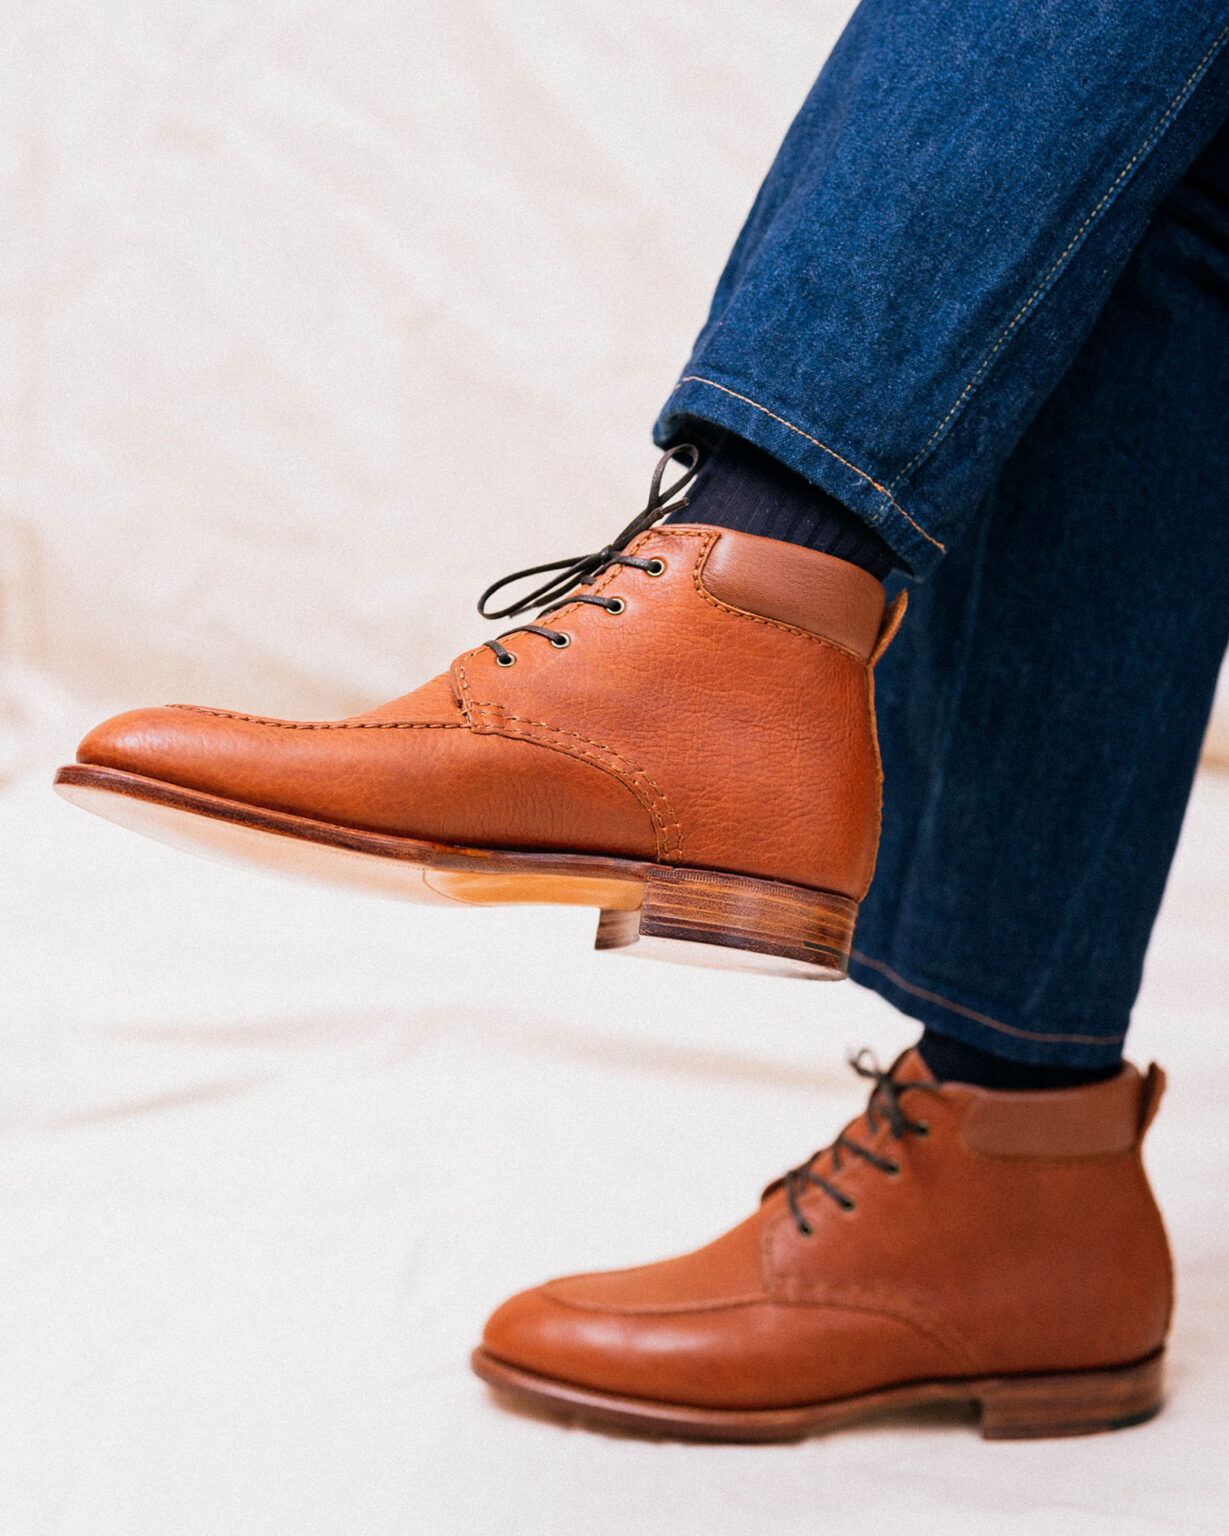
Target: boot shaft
(1020, 1228)
(733, 690)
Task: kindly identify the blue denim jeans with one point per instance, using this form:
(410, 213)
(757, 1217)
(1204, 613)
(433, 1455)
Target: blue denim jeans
(983, 299)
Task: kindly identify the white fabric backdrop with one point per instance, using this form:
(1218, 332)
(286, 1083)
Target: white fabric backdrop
(320, 315)
(316, 316)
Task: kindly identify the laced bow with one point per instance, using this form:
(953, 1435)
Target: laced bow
(883, 1108)
(579, 571)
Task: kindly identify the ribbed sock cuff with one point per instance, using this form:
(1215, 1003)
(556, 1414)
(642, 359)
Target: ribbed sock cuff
(952, 1061)
(743, 488)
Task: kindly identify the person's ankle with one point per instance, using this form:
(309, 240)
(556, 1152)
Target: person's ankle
(741, 487)
(952, 1061)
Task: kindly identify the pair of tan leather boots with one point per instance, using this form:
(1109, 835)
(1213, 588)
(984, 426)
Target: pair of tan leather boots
(686, 741)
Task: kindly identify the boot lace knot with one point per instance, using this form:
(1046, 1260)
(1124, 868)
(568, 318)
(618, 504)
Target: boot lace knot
(883, 1108)
(564, 576)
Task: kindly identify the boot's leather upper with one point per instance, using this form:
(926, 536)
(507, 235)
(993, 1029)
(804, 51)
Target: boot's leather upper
(722, 720)
(1015, 1233)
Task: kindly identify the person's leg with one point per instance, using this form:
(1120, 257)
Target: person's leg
(739, 486)
(936, 238)
(773, 335)
(953, 1243)
(1041, 727)
(1040, 731)
(685, 737)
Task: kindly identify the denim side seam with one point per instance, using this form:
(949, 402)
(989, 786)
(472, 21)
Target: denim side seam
(693, 378)
(1047, 282)
(982, 1018)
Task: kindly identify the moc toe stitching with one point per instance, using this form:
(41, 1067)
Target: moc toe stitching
(322, 725)
(662, 813)
(221, 753)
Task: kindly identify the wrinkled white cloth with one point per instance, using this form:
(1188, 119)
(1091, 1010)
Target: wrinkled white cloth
(317, 317)
(320, 316)
(272, 1154)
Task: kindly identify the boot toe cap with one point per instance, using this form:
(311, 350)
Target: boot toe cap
(239, 758)
(746, 1354)
(156, 743)
(537, 1331)
(669, 1356)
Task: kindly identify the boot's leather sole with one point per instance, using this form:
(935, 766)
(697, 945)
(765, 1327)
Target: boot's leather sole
(1012, 1407)
(696, 916)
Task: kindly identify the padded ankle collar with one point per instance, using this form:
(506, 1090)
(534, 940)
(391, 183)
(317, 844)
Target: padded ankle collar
(1096, 1121)
(793, 585)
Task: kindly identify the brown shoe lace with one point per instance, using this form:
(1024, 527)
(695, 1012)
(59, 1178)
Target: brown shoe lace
(883, 1108)
(558, 591)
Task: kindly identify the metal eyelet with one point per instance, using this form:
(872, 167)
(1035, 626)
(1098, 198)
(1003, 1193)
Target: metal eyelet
(892, 1170)
(922, 1128)
(849, 1205)
(616, 605)
(507, 660)
(655, 567)
(561, 641)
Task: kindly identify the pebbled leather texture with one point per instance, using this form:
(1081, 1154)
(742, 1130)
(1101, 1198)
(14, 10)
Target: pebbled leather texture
(801, 586)
(722, 721)
(962, 1264)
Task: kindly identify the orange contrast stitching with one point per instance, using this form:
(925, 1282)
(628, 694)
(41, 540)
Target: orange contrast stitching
(324, 725)
(741, 613)
(982, 1018)
(693, 378)
(662, 830)
(661, 833)
(468, 697)
(875, 1303)
(1157, 129)
(633, 772)
(878, 761)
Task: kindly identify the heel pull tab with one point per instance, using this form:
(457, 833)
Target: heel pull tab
(891, 623)
(1151, 1091)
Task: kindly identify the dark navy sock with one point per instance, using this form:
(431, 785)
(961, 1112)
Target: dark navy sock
(952, 1061)
(740, 486)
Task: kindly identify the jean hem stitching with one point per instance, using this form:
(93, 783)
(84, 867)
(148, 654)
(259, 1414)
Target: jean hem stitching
(981, 1018)
(694, 378)
(1046, 282)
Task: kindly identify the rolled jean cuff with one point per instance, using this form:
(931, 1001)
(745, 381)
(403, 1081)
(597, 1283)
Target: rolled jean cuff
(958, 1020)
(703, 406)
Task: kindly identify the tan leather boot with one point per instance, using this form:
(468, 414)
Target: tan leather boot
(953, 1243)
(688, 744)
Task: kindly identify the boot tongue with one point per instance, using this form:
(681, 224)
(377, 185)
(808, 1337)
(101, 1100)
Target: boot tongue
(910, 1068)
(907, 1068)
